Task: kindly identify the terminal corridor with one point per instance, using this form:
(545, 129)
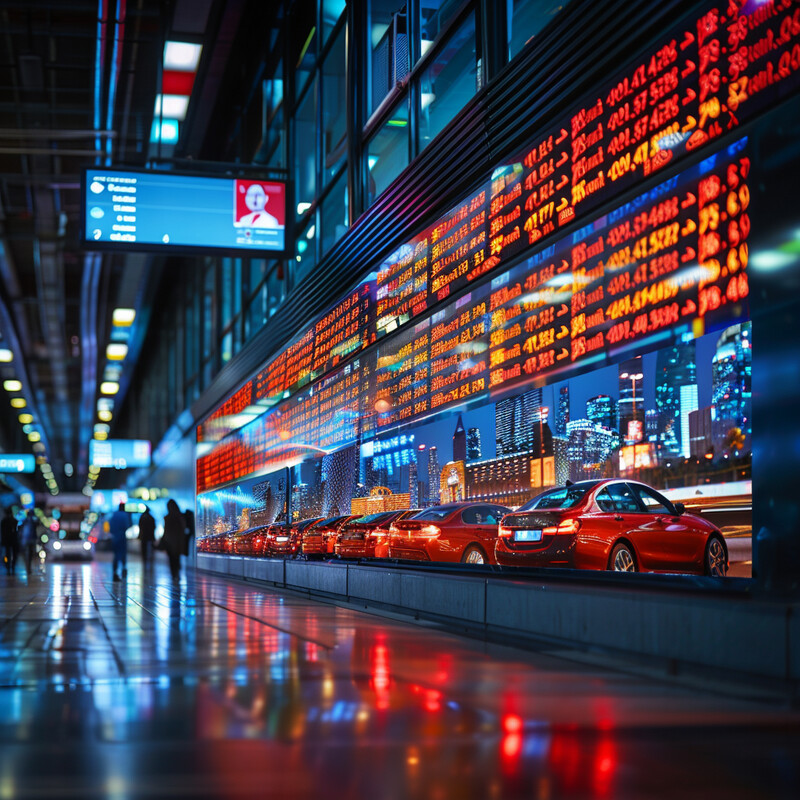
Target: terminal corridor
(209, 688)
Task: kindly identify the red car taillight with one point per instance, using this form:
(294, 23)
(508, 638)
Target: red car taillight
(376, 532)
(428, 531)
(505, 532)
(564, 528)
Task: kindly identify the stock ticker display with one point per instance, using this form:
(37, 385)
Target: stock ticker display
(674, 258)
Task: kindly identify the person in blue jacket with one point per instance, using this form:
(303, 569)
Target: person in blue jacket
(118, 524)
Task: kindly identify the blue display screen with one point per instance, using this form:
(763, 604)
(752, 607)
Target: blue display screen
(165, 210)
(23, 462)
(119, 453)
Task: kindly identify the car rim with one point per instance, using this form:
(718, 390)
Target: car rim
(623, 561)
(475, 557)
(716, 558)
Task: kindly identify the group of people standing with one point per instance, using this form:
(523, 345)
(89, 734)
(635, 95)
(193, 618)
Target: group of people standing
(15, 537)
(178, 531)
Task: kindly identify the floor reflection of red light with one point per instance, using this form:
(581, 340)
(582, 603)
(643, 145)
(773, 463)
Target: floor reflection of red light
(605, 766)
(433, 700)
(512, 723)
(512, 747)
(312, 651)
(380, 675)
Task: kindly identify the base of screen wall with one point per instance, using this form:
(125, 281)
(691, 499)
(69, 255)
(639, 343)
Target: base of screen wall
(740, 636)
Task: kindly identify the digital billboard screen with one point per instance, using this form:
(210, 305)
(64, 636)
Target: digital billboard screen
(161, 211)
(119, 453)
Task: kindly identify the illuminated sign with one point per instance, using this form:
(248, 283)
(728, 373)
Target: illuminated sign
(672, 261)
(119, 453)
(162, 211)
(24, 462)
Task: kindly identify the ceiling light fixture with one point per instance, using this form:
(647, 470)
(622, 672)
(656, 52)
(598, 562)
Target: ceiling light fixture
(12, 386)
(116, 352)
(6, 356)
(18, 402)
(182, 56)
(26, 418)
(123, 317)
(109, 387)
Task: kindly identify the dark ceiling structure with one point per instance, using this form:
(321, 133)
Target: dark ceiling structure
(78, 83)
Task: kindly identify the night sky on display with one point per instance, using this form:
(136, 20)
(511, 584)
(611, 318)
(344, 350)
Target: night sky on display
(581, 389)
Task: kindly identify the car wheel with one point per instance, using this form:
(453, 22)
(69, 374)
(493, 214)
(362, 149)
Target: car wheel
(715, 561)
(622, 559)
(473, 555)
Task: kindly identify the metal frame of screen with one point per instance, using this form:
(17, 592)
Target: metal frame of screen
(182, 249)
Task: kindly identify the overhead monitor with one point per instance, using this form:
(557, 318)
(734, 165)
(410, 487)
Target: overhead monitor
(167, 211)
(23, 462)
(119, 453)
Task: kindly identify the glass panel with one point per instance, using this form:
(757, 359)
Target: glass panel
(334, 214)
(527, 18)
(304, 42)
(331, 11)
(387, 152)
(256, 313)
(389, 63)
(273, 151)
(654, 503)
(434, 16)
(305, 173)
(276, 290)
(306, 255)
(334, 108)
(226, 350)
(226, 285)
(209, 295)
(448, 83)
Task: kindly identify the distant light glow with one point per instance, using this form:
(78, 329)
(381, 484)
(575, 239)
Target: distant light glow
(34, 436)
(182, 56)
(109, 387)
(26, 418)
(166, 131)
(6, 355)
(122, 317)
(18, 402)
(12, 385)
(172, 106)
(105, 416)
(116, 352)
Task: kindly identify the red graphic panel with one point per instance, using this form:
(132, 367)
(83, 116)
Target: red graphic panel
(259, 204)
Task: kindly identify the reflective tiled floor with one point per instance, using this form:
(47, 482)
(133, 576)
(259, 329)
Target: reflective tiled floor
(212, 689)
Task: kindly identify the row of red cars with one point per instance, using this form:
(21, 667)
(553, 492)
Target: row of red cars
(602, 524)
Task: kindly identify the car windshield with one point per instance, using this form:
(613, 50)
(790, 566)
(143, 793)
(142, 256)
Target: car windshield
(435, 513)
(563, 497)
(303, 524)
(371, 519)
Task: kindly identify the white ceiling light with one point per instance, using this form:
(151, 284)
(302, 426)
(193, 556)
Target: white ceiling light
(116, 352)
(123, 316)
(172, 106)
(182, 56)
(6, 355)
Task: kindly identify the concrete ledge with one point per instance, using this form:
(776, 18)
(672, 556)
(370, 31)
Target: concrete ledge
(730, 634)
(737, 633)
(325, 578)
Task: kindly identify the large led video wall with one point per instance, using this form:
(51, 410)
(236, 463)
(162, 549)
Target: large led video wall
(618, 347)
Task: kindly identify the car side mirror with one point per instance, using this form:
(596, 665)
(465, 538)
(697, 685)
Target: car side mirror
(680, 508)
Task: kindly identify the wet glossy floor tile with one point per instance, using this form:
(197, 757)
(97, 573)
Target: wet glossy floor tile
(213, 689)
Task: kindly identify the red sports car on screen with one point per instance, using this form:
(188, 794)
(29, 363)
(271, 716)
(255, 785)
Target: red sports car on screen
(318, 539)
(250, 542)
(610, 524)
(282, 543)
(464, 532)
(368, 536)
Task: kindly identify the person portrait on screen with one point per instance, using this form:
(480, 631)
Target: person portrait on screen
(256, 200)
